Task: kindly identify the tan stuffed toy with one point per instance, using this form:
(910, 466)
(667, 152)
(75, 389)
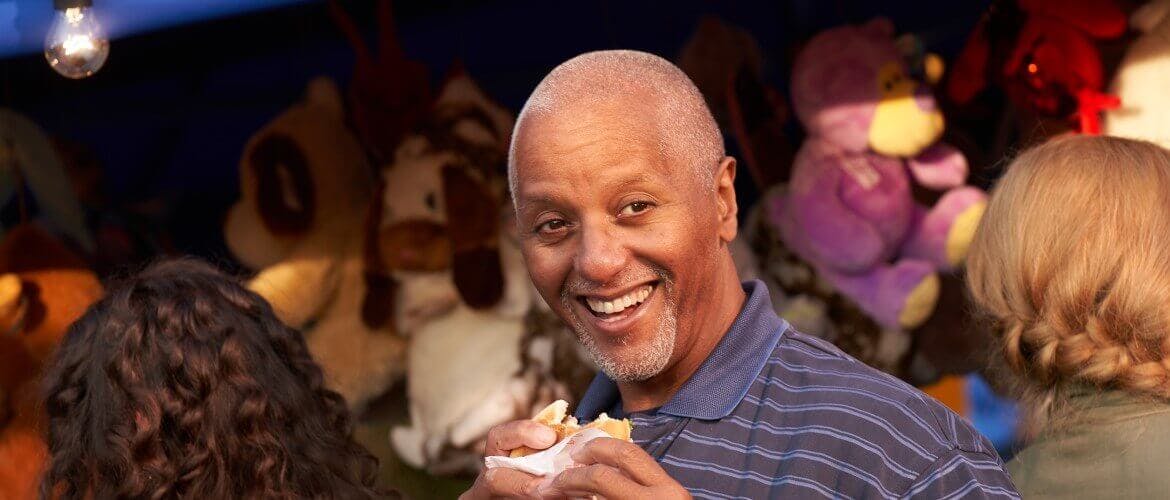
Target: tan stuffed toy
(305, 187)
(445, 251)
(44, 287)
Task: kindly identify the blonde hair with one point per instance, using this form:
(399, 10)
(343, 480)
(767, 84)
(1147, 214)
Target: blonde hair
(1072, 261)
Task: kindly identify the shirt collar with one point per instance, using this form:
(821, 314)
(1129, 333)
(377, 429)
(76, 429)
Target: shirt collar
(723, 379)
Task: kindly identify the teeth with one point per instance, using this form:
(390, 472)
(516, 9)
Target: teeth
(621, 303)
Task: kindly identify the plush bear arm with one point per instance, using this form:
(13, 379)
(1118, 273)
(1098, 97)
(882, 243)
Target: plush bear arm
(298, 288)
(940, 167)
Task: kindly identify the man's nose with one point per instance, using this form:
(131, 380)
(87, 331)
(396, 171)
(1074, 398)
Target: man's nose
(602, 256)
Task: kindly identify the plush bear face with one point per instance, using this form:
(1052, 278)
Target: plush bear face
(449, 170)
(440, 204)
(304, 174)
(412, 233)
(851, 87)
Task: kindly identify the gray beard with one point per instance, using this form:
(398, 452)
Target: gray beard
(646, 362)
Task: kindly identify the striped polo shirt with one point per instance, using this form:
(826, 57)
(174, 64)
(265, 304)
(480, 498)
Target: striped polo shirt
(773, 413)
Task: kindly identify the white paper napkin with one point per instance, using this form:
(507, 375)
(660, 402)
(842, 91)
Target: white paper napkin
(548, 462)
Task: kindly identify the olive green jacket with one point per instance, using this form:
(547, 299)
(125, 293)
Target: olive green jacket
(1115, 446)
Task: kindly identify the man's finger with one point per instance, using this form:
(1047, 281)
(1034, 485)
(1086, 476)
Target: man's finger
(506, 437)
(590, 480)
(502, 482)
(625, 456)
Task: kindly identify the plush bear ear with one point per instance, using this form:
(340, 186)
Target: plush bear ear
(968, 75)
(285, 195)
(473, 226)
(378, 303)
(323, 93)
(879, 26)
(381, 287)
(757, 120)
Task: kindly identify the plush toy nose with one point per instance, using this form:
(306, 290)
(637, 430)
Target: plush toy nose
(416, 245)
(903, 126)
(924, 99)
(11, 303)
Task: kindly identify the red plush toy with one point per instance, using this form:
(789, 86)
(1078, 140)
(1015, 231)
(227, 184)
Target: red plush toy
(1042, 53)
(389, 93)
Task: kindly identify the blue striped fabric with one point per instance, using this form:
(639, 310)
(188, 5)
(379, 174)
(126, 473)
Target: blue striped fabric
(775, 413)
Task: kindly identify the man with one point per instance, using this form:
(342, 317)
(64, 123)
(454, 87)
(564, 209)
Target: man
(626, 205)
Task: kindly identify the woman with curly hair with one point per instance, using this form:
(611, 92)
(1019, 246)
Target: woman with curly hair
(1072, 263)
(181, 383)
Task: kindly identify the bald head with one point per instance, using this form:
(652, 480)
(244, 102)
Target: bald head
(661, 106)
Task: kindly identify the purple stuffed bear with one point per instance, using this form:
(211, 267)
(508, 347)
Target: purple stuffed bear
(849, 208)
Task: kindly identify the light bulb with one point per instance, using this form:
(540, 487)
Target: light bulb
(76, 46)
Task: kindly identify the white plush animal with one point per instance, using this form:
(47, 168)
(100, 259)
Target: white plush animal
(1143, 79)
(445, 250)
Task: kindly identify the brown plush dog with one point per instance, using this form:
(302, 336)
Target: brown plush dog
(444, 265)
(44, 287)
(438, 210)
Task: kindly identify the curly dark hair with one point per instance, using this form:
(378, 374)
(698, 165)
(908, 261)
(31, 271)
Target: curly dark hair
(181, 383)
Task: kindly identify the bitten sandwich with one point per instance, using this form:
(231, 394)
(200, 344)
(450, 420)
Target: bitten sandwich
(556, 417)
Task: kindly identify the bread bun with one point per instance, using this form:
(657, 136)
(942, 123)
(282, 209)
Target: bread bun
(556, 417)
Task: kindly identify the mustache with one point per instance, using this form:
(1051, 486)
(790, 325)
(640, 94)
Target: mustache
(577, 285)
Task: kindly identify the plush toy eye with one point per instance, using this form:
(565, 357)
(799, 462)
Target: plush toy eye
(430, 201)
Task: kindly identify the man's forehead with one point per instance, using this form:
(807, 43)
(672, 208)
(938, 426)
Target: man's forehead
(552, 180)
(592, 137)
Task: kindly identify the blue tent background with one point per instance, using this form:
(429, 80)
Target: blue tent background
(187, 82)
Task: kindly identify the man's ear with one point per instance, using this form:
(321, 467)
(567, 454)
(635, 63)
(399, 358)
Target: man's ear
(725, 199)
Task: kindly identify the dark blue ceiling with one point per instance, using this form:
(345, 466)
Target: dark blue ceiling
(23, 22)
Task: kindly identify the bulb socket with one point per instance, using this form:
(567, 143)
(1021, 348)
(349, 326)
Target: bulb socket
(68, 4)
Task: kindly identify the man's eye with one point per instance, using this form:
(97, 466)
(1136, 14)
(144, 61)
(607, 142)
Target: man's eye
(635, 208)
(552, 225)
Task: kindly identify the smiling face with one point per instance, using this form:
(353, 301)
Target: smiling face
(619, 239)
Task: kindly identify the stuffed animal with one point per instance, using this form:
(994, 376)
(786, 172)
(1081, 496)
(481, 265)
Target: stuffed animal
(388, 92)
(1042, 53)
(726, 64)
(44, 287)
(849, 209)
(445, 251)
(1143, 78)
(450, 171)
(126, 232)
(31, 170)
(305, 187)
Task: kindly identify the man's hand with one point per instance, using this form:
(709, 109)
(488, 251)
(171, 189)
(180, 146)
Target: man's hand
(508, 483)
(613, 469)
